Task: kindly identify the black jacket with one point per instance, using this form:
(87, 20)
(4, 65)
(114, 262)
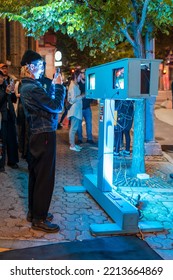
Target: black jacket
(6, 104)
(41, 108)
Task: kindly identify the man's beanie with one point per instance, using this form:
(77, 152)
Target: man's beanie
(30, 56)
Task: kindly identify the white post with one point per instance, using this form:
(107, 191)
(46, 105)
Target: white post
(106, 142)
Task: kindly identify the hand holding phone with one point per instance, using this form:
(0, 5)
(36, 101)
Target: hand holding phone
(12, 84)
(58, 70)
(8, 89)
(57, 77)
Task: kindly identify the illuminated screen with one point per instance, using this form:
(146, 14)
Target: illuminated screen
(145, 78)
(91, 81)
(118, 78)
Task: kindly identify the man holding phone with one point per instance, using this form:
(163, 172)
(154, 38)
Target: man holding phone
(41, 110)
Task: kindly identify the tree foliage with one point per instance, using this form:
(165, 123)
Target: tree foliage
(73, 56)
(95, 23)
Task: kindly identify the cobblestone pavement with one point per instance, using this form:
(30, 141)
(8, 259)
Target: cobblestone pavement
(74, 212)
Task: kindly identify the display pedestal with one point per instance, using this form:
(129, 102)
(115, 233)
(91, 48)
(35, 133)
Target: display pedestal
(153, 148)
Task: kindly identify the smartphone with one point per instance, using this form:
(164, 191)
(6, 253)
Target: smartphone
(57, 72)
(11, 81)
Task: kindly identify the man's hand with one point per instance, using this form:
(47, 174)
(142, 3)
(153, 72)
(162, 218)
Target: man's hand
(58, 80)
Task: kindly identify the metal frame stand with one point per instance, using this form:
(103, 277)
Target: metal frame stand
(123, 213)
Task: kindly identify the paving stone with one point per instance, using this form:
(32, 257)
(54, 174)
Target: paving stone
(69, 235)
(70, 218)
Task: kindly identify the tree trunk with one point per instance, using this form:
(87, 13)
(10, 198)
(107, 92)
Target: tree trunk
(139, 46)
(138, 162)
(138, 155)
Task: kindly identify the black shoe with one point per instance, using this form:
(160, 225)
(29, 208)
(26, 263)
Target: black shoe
(49, 217)
(79, 142)
(2, 169)
(13, 165)
(90, 141)
(45, 226)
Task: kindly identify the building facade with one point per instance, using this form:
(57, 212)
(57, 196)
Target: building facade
(14, 42)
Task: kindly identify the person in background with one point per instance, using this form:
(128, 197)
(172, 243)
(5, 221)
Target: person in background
(12, 141)
(86, 113)
(41, 110)
(8, 77)
(8, 133)
(60, 124)
(3, 122)
(75, 112)
(125, 114)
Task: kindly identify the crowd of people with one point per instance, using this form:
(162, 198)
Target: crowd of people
(77, 109)
(14, 128)
(29, 109)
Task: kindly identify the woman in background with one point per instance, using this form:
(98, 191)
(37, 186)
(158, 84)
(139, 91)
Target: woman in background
(75, 112)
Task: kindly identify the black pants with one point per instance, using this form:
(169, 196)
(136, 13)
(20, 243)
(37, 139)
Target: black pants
(3, 132)
(9, 140)
(42, 149)
(12, 144)
(63, 115)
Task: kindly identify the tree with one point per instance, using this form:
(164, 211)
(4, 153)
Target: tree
(72, 56)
